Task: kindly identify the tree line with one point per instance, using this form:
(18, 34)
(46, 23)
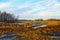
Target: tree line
(7, 17)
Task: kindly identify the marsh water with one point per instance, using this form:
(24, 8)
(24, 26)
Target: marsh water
(53, 34)
(9, 36)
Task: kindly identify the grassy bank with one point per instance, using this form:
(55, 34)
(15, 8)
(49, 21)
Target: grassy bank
(28, 33)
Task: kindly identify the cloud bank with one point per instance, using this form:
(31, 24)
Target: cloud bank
(32, 9)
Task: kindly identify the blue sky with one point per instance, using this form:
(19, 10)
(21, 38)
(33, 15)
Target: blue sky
(32, 9)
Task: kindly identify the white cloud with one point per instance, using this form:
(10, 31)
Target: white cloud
(4, 5)
(50, 12)
(43, 9)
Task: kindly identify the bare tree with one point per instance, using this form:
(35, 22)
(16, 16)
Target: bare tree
(7, 17)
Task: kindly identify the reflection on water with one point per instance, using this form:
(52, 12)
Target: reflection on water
(18, 23)
(54, 38)
(53, 34)
(37, 25)
(7, 37)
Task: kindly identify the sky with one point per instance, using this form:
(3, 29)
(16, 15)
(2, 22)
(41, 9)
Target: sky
(32, 9)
